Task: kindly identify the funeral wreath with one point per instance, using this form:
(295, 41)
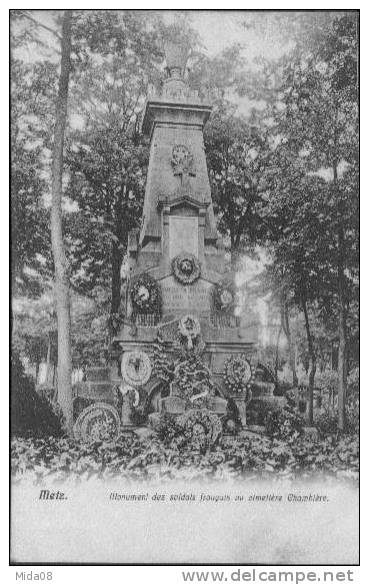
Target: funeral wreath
(186, 268)
(145, 295)
(238, 373)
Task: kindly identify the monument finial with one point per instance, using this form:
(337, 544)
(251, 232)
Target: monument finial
(176, 55)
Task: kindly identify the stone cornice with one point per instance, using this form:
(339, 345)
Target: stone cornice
(153, 108)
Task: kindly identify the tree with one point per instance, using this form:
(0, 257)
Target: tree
(34, 332)
(322, 113)
(90, 239)
(107, 181)
(237, 148)
(274, 279)
(107, 156)
(60, 261)
(310, 203)
(33, 91)
(340, 54)
(237, 156)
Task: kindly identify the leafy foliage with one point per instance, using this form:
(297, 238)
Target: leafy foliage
(32, 101)
(252, 456)
(284, 423)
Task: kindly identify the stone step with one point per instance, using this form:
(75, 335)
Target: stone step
(97, 374)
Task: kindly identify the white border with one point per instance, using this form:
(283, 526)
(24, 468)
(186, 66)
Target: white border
(171, 575)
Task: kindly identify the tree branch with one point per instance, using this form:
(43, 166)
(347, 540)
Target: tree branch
(35, 21)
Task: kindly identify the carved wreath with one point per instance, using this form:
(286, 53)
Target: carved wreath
(224, 297)
(239, 373)
(145, 295)
(182, 160)
(186, 268)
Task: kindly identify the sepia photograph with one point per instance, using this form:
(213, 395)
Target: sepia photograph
(184, 287)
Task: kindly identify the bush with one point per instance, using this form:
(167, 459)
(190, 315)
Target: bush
(252, 457)
(283, 387)
(353, 413)
(167, 428)
(353, 401)
(353, 381)
(327, 424)
(284, 423)
(31, 415)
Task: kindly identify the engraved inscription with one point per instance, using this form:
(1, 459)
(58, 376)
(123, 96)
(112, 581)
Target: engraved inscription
(194, 298)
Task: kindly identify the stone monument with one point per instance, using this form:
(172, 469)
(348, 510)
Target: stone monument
(179, 288)
(181, 348)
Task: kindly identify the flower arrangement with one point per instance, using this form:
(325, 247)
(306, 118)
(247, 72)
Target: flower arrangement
(192, 381)
(200, 426)
(99, 421)
(239, 373)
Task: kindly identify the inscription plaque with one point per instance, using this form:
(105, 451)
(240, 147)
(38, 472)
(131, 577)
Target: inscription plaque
(183, 235)
(194, 298)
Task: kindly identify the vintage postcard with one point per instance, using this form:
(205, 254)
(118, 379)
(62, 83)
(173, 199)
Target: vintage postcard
(185, 287)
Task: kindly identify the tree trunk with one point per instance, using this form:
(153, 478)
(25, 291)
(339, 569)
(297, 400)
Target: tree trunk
(235, 258)
(48, 360)
(277, 355)
(60, 261)
(55, 377)
(312, 363)
(342, 326)
(342, 348)
(116, 263)
(287, 331)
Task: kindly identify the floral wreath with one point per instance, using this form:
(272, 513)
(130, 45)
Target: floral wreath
(136, 358)
(99, 421)
(239, 374)
(224, 297)
(186, 268)
(145, 295)
(189, 327)
(209, 421)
